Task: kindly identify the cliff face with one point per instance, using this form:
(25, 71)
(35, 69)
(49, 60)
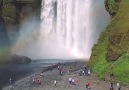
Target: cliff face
(12, 14)
(111, 53)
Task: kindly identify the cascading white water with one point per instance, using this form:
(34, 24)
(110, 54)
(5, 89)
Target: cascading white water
(73, 25)
(69, 28)
(76, 24)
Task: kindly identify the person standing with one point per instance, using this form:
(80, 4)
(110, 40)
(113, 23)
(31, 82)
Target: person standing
(61, 70)
(39, 81)
(73, 82)
(41, 74)
(55, 83)
(87, 85)
(76, 82)
(70, 80)
(111, 76)
(83, 72)
(118, 86)
(89, 72)
(58, 67)
(111, 86)
(10, 80)
(33, 81)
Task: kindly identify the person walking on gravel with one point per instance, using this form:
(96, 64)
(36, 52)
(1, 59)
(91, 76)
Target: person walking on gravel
(73, 82)
(10, 80)
(87, 85)
(76, 82)
(111, 86)
(33, 81)
(118, 86)
(89, 72)
(55, 83)
(70, 80)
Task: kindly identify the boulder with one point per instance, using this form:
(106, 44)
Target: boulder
(20, 59)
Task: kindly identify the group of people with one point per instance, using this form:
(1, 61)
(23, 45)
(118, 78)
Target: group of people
(72, 81)
(84, 72)
(112, 85)
(36, 81)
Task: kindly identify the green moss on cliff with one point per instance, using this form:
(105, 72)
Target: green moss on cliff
(9, 12)
(112, 6)
(118, 29)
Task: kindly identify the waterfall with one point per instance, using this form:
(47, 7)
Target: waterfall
(69, 29)
(74, 25)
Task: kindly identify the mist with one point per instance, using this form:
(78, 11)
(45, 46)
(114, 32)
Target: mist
(64, 32)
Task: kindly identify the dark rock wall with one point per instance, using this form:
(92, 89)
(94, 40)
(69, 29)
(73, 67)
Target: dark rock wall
(12, 14)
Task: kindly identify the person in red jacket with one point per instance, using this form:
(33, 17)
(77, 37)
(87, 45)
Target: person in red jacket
(87, 85)
(76, 82)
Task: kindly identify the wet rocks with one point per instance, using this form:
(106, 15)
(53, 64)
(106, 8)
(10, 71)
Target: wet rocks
(20, 59)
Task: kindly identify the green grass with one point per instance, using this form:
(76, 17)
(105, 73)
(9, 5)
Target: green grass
(118, 25)
(120, 69)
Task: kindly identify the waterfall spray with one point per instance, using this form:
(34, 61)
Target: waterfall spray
(69, 28)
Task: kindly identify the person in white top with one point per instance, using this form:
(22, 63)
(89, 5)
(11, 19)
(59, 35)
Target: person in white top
(88, 72)
(55, 83)
(83, 72)
(70, 80)
(33, 81)
(10, 80)
(118, 86)
(73, 81)
(58, 67)
(41, 74)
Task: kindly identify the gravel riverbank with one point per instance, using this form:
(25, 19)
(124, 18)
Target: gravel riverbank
(48, 78)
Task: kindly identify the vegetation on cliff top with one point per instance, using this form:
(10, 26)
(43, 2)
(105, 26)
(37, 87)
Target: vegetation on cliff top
(111, 53)
(10, 12)
(112, 6)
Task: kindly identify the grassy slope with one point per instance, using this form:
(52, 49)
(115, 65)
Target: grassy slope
(120, 68)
